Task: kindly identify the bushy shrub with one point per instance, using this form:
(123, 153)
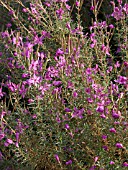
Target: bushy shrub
(63, 93)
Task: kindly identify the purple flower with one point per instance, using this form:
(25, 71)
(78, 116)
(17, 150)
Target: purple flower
(67, 126)
(117, 64)
(113, 130)
(67, 110)
(35, 80)
(57, 83)
(70, 85)
(88, 71)
(90, 100)
(8, 25)
(118, 14)
(57, 158)
(96, 159)
(17, 139)
(69, 162)
(105, 49)
(78, 113)
(125, 164)
(111, 163)
(102, 24)
(11, 12)
(115, 114)
(60, 12)
(121, 80)
(1, 93)
(2, 135)
(103, 116)
(104, 137)
(105, 148)
(24, 10)
(24, 75)
(100, 109)
(67, 6)
(119, 145)
(58, 119)
(92, 8)
(125, 8)
(2, 114)
(77, 3)
(111, 26)
(75, 94)
(93, 168)
(9, 141)
(87, 90)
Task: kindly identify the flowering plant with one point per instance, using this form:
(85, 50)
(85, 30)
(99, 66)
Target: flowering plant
(63, 93)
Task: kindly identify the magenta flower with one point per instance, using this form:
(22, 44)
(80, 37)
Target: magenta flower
(24, 10)
(60, 12)
(2, 135)
(105, 49)
(69, 162)
(67, 126)
(67, 7)
(96, 159)
(1, 93)
(8, 25)
(113, 130)
(57, 83)
(11, 12)
(119, 145)
(67, 110)
(115, 114)
(17, 136)
(75, 94)
(111, 26)
(111, 163)
(125, 164)
(122, 80)
(2, 114)
(88, 71)
(57, 158)
(104, 137)
(10, 141)
(105, 148)
(125, 8)
(117, 65)
(92, 8)
(103, 116)
(100, 109)
(77, 3)
(93, 168)
(118, 13)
